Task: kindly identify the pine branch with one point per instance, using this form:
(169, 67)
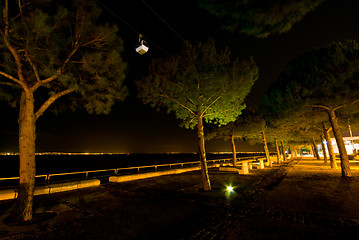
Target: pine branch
(227, 110)
(215, 100)
(11, 78)
(49, 101)
(8, 83)
(336, 108)
(32, 65)
(13, 51)
(58, 71)
(345, 105)
(321, 106)
(177, 102)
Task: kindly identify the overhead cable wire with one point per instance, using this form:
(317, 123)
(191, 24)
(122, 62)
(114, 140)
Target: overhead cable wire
(130, 26)
(164, 21)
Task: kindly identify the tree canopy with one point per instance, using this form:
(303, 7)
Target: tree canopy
(325, 79)
(259, 18)
(60, 51)
(199, 80)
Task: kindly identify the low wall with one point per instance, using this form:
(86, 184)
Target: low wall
(127, 178)
(6, 194)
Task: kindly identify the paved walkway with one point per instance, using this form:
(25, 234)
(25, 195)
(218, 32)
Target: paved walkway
(307, 201)
(302, 199)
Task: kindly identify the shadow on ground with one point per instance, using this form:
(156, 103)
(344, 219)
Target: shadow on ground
(296, 200)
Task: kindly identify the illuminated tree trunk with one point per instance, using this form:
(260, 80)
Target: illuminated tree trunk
(266, 149)
(291, 150)
(333, 163)
(324, 150)
(315, 149)
(284, 156)
(294, 153)
(202, 155)
(277, 149)
(234, 150)
(27, 136)
(344, 160)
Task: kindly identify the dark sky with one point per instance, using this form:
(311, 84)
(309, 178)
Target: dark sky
(135, 127)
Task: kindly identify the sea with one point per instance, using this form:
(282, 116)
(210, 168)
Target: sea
(65, 163)
(79, 163)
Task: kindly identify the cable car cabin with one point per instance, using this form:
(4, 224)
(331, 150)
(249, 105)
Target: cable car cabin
(142, 48)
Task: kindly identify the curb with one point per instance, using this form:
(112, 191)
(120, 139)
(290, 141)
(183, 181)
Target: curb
(7, 194)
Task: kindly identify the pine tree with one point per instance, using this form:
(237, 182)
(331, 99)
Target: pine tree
(50, 49)
(325, 79)
(199, 84)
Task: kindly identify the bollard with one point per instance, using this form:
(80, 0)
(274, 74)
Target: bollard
(261, 164)
(245, 168)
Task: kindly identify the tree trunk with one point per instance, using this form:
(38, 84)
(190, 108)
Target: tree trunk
(295, 152)
(333, 163)
(344, 160)
(291, 151)
(202, 155)
(324, 150)
(283, 150)
(27, 171)
(234, 150)
(315, 149)
(277, 149)
(266, 149)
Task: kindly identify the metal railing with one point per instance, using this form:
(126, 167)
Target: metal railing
(63, 177)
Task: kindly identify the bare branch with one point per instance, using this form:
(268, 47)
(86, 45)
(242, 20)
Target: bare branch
(49, 101)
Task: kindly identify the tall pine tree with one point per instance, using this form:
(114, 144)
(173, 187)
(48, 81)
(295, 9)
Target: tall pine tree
(50, 49)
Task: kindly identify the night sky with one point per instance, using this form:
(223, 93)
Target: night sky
(135, 127)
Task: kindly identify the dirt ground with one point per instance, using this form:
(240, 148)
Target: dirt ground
(302, 199)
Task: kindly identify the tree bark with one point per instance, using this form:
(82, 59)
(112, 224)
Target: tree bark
(324, 150)
(333, 163)
(266, 149)
(283, 150)
(277, 149)
(295, 152)
(27, 170)
(202, 155)
(291, 151)
(344, 160)
(234, 150)
(315, 149)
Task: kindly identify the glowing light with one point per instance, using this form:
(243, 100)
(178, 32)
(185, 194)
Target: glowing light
(230, 189)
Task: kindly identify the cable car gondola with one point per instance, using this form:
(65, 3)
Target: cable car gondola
(142, 47)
